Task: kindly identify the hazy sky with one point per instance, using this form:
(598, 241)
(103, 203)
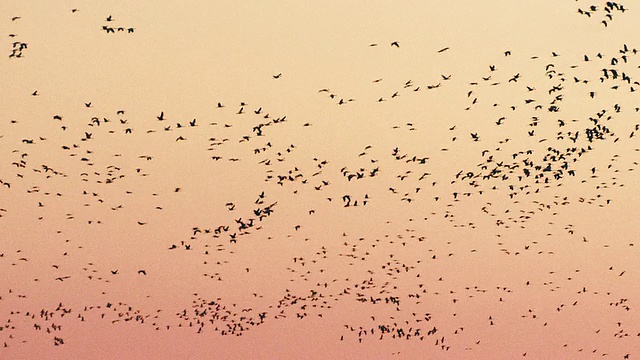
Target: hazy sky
(286, 180)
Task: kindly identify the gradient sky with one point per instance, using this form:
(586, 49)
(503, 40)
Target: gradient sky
(203, 160)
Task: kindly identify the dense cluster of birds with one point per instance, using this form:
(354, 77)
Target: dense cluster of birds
(109, 28)
(17, 49)
(527, 148)
(603, 12)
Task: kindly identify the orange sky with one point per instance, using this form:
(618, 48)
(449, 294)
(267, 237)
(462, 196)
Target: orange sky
(140, 219)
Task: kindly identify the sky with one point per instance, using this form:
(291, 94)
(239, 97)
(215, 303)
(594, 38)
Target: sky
(254, 180)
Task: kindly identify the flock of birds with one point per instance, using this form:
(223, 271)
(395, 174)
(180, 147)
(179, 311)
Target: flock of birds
(17, 47)
(610, 8)
(108, 28)
(525, 149)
